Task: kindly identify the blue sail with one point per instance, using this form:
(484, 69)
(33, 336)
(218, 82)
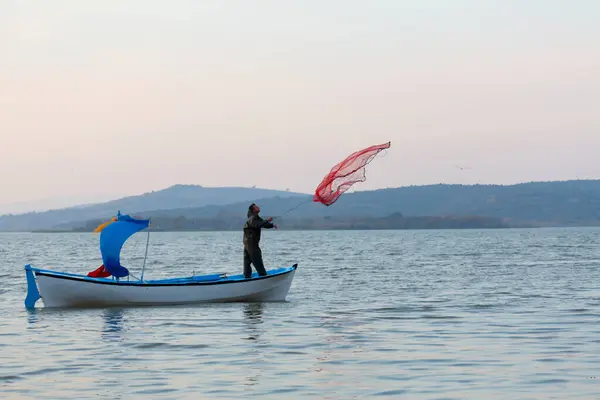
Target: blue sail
(112, 239)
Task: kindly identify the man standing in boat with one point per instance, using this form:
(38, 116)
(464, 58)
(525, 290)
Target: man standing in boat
(252, 230)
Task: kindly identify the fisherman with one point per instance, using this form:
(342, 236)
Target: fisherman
(252, 230)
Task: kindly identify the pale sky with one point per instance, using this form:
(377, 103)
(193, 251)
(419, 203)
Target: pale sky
(100, 99)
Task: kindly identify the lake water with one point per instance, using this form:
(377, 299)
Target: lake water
(497, 314)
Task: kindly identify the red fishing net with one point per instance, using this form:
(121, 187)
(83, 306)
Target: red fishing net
(346, 174)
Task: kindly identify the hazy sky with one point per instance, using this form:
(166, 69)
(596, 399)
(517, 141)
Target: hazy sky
(108, 98)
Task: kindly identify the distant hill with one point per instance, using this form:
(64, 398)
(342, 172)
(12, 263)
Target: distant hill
(538, 203)
(178, 196)
(567, 203)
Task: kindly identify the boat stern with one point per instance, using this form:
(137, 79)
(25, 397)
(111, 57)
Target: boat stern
(33, 294)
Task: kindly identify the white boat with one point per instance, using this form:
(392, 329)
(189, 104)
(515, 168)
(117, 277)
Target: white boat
(59, 289)
(65, 290)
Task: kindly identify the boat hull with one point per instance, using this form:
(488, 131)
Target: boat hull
(59, 290)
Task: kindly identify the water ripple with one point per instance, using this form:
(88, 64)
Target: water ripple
(391, 314)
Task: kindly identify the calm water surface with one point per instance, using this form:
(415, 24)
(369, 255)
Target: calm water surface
(498, 314)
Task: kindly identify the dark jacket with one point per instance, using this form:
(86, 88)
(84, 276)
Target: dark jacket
(252, 229)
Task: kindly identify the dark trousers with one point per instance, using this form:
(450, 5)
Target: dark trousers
(253, 255)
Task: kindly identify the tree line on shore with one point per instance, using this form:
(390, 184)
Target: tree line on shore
(394, 221)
